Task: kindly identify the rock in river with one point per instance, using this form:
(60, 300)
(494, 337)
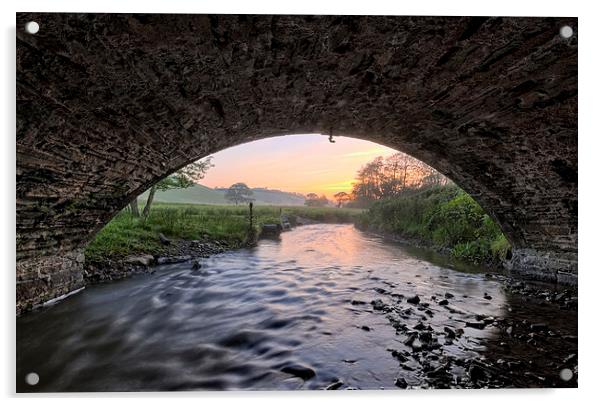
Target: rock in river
(476, 373)
(449, 332)
(299, 371)
(414, 300)
(144, 260)
(476, 324)
(538, 327)
(401, 382)
(173, 260)
(378, 304)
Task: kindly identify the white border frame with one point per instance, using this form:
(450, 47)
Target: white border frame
(590, 225)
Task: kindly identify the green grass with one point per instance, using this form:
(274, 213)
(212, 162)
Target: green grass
(199, 194)
(446, 217)
(126, 235)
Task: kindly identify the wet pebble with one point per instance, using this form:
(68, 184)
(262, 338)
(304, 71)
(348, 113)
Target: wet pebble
(449, 332)
(476, 373)
(401, 383)
(378, 304)
(299, 371)
(419, 326)
(335, 385)
(476, 324)
(538, 327)
(399, 355)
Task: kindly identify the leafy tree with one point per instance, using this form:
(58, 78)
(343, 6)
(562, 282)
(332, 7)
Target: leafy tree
(342, 197)
(313, 200)
(393, 176)
(181, 179)
(239, 193)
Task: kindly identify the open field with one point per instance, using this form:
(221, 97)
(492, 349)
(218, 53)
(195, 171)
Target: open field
(200, 194)
(127, 235)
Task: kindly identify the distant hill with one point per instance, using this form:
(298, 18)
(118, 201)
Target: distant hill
(204, 195)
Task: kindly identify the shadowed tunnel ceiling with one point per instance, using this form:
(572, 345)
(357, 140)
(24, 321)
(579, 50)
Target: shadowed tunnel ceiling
(107, 104)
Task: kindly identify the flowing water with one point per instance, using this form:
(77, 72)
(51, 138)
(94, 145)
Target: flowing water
(301, 312)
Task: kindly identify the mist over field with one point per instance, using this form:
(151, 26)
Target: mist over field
(200, 194)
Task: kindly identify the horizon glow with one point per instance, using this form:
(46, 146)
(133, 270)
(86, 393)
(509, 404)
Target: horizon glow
(303, 163)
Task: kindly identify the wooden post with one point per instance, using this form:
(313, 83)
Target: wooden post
(250, 216)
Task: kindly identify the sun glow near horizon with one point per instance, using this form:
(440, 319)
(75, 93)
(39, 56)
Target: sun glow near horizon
(306, 163)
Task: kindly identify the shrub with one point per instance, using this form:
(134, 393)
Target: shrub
(445, 216)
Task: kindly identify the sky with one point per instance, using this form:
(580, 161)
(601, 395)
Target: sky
(294, 163)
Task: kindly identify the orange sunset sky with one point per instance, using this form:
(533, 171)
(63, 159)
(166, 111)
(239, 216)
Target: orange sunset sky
(294, 163)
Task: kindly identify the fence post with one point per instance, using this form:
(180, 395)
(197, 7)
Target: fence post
(250, 217)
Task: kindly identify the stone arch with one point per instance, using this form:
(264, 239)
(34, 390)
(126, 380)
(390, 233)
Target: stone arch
(107, 104)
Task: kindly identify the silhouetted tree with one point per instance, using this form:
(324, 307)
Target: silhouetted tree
(342, 197)
(181, 179)
(313, 200)
(239, 193)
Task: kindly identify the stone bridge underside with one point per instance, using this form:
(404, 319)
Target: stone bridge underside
(109, 104)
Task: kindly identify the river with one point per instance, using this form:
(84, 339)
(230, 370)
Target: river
(325, 305)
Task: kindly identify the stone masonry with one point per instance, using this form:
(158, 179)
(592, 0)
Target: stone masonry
(108, 104)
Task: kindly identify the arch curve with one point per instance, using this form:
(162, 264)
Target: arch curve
(102, 99)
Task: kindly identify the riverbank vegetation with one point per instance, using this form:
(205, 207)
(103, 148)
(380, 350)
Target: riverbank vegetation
(444, 217)
(128, 234)
(408, 199)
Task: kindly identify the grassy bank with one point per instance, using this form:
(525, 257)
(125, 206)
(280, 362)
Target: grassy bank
(127, 235)
(445, 217)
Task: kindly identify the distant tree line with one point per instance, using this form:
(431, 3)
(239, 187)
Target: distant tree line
(313, 200)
